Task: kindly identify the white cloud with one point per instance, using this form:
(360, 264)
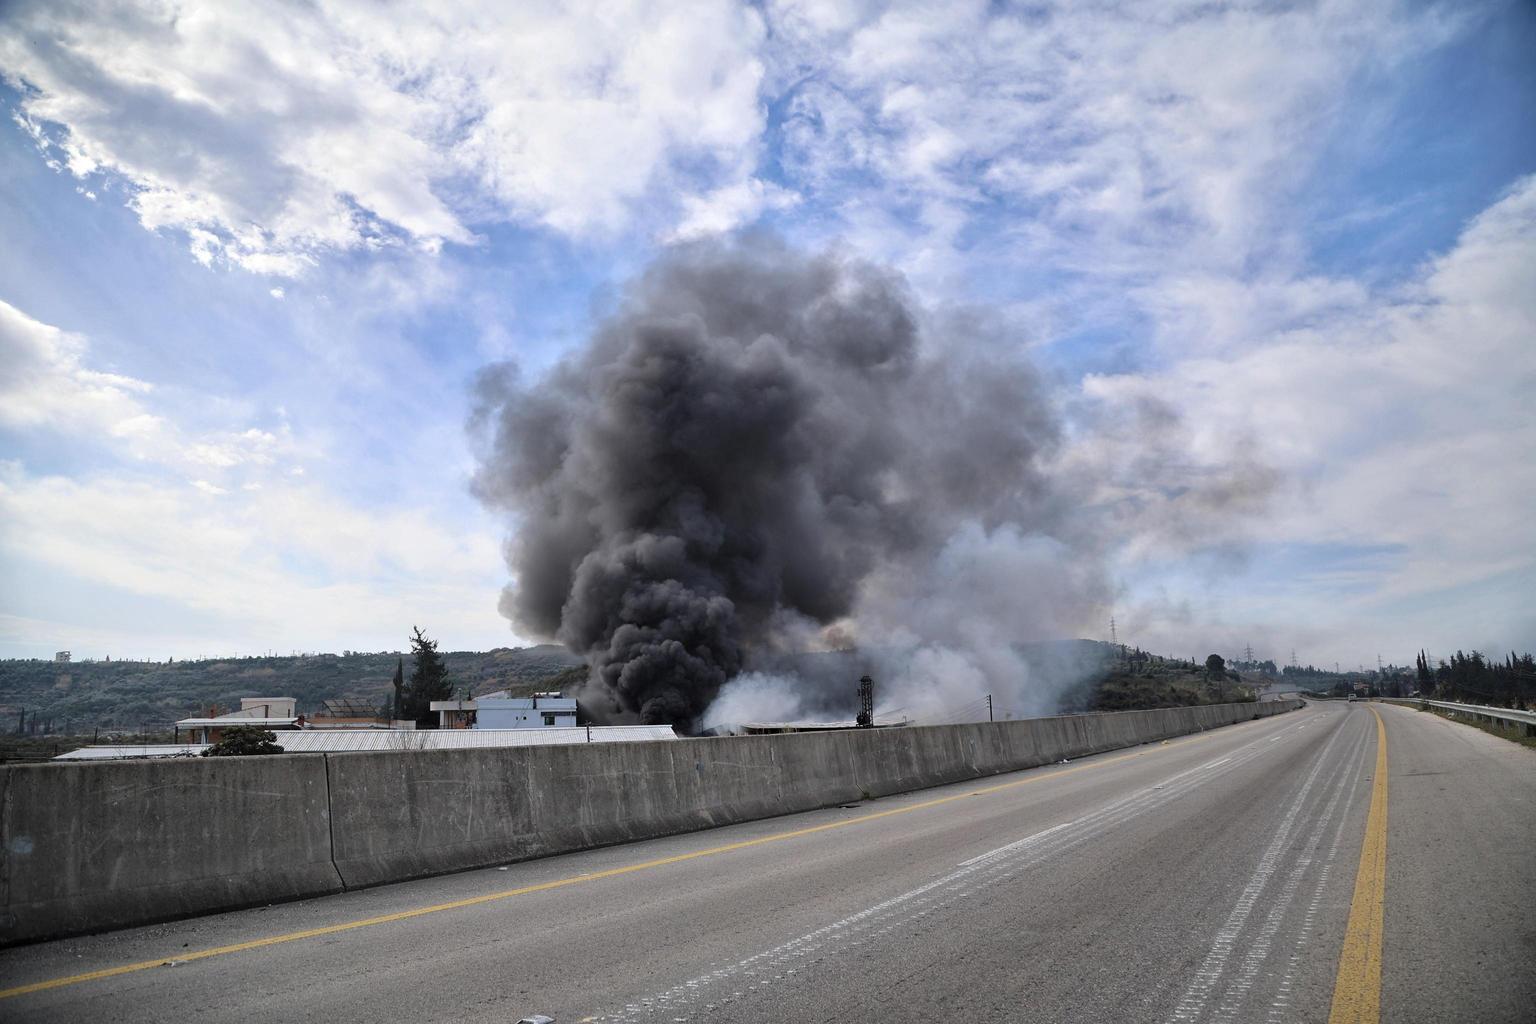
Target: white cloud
(579, 112)
(249, 447)
(729, 207)
(1400, 421)
(273, 135)
(44, 382)
(1129, 137)
(218, 524)
(1121, 139)
(288, 567)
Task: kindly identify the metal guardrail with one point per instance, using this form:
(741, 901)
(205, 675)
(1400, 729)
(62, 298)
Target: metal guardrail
(1506, 716)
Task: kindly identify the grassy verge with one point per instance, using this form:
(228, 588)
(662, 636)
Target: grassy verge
(1513, 733)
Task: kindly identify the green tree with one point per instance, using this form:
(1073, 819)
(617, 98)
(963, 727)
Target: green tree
(1216, 672)
(240, 740)
(429, 680)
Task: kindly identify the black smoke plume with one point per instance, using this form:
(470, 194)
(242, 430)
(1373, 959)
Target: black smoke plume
(750, 438)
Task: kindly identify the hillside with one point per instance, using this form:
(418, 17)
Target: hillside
(80, 696)
(1131, 680)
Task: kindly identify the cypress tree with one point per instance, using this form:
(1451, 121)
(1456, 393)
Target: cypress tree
(429, 680)
(397, 704)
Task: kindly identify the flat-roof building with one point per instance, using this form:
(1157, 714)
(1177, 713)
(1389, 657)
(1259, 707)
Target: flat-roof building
(259, 712)
(497, 710)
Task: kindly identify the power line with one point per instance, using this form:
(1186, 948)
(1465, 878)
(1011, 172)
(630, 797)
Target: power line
(970, 711)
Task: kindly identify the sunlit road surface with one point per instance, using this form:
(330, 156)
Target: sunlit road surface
(1263, 872)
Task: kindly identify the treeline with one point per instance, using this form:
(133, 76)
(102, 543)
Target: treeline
(1312, 670)
(1474, 678)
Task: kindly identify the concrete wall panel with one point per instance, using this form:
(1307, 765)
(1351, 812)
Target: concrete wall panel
(407, 814)
(98, 846)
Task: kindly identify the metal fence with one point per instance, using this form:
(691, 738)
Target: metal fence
(1503, 716)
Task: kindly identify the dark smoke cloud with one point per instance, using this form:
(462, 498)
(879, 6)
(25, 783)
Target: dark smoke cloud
(753, 446)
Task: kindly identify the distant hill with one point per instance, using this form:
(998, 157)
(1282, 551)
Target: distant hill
(80, 696)
(1127, 679)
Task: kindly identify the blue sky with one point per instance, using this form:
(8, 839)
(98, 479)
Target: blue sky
(252, 261)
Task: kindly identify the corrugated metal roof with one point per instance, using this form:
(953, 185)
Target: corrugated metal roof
(228, 721)
(143, 750)
(336, 741)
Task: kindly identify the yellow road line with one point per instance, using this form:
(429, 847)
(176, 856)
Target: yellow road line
(404, 915)
(1357, 988)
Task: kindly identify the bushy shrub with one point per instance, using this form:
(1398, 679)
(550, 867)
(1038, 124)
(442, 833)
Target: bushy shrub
(239, 740)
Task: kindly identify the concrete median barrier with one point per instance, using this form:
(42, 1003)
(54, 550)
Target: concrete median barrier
(97, 846)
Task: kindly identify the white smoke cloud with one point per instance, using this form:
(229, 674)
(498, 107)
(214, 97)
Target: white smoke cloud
(754, 697)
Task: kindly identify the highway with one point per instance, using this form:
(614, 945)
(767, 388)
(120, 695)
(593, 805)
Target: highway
(1264, 872)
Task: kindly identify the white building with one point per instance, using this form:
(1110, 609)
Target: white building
(499, 711)
(261, 712)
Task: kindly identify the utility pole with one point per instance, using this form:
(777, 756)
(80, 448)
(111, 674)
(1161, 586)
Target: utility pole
(1248, 653)
(1114, 637)
(989, 707)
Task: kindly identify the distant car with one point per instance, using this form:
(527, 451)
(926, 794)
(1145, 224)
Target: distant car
(1352, 697)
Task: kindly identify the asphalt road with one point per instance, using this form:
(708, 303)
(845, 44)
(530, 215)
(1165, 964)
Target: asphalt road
(1237, 875)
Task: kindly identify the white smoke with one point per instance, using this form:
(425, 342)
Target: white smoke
(755, 697)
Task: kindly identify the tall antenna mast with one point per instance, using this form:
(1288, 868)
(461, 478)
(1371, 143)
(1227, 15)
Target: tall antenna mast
(1114, 637)
(1248, 653)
